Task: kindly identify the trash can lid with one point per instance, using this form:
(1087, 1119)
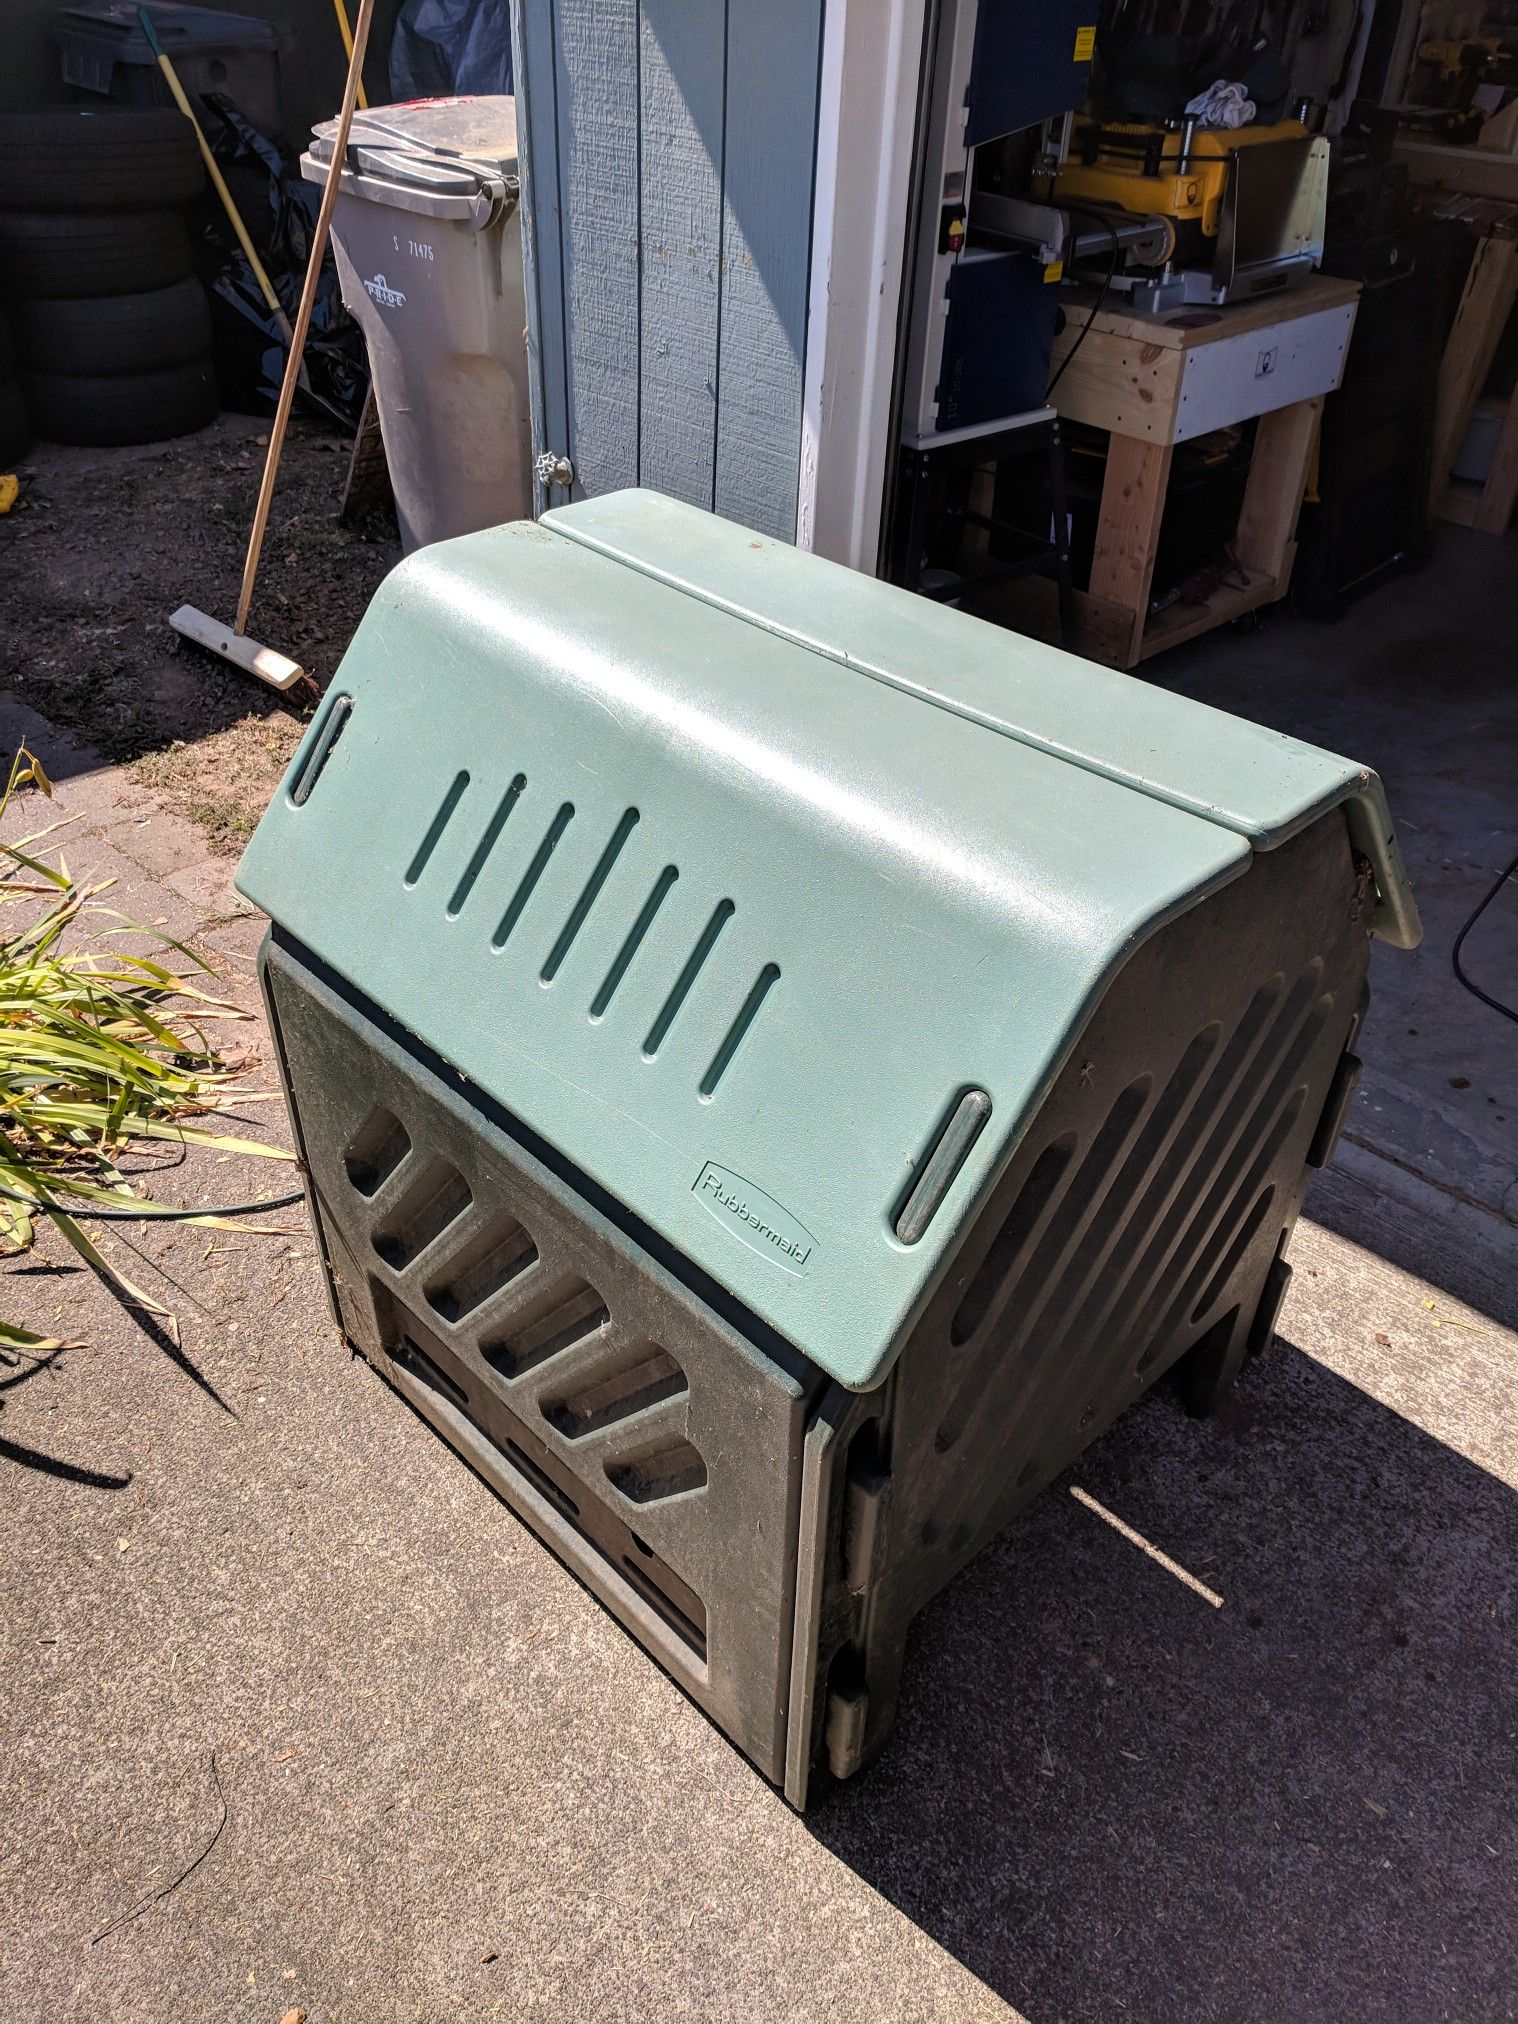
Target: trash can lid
(470, 140)
(184, 31)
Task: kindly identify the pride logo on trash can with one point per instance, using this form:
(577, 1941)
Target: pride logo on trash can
(753, 1217)
(380, 291)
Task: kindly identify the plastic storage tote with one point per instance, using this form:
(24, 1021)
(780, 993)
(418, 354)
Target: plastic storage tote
(782, 1065)
(429, 248)
(103, 51)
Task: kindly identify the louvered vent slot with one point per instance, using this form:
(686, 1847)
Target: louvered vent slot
(738, 1032)
(1247, 1121)
(1233, 1257)
(562, 1316)
(435, 828)
(590, 893)
(496, 1254)
(633, 941)
(378, 1148)
(645, 1377)
(1131, 1247)
(684, 984)
(1016, 1233)
(654, 1474)
(339, 710)
(411, 1356)
(528, 884)
(479, 856)
(438, 1197)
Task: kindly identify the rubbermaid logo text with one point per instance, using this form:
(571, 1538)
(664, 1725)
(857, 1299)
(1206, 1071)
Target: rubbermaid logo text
(754, 1218)
(383, 293)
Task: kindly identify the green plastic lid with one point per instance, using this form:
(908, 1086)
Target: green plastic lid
(772, 897)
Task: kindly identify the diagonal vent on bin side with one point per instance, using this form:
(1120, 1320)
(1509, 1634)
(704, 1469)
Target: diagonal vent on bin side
(1129, 1247)
(650, 1475)
(1247, 1130)
(498, 1252)
(644, 1377)
(376, 1150)
(559, 1318)
(436, 1198)
(1233, 1257)
(1035, 1199)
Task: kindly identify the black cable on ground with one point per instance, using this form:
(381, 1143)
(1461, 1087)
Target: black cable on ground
(1475, 990)
(147, 1213)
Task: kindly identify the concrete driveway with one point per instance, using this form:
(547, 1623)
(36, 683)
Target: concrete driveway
(1229, 1734)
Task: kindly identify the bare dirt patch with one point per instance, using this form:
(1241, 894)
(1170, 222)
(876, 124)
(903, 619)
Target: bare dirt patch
(104, 544)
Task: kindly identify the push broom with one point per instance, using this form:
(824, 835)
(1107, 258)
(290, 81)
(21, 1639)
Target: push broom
(232, 643)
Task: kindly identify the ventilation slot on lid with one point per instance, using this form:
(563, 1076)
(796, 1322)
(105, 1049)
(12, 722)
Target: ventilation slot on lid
(722, 913)
(590, 895)
(738, 1032)
(530, 877)
(339, 710)
(435, 828)
(634, 941)
(485, 846)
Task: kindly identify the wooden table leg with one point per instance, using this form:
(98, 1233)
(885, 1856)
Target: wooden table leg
(1501, 487)
(1128, 530)
(1485, 305)
(1265, 542)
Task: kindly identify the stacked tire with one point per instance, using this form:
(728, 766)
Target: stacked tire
(112, 329)
(15, 424)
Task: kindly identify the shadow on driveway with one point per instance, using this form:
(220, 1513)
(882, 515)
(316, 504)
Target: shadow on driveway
(1110, 1799)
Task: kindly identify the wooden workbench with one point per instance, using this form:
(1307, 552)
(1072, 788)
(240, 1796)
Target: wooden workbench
(1155, 381)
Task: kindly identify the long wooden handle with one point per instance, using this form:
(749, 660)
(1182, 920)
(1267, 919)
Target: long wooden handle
(213, 170)
(303, 314)
(347, 34)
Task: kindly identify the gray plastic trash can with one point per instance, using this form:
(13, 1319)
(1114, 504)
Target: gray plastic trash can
(429, 250)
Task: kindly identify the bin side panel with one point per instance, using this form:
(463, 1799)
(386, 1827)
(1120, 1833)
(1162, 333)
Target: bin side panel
(1141, 1220)
(653, 1448)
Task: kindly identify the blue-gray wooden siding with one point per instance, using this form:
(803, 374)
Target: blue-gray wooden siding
(667, 156)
